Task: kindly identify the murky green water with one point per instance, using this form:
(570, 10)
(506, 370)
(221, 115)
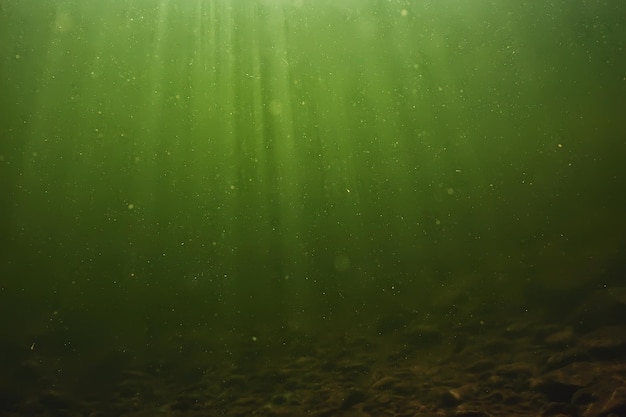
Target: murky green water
(247, 166)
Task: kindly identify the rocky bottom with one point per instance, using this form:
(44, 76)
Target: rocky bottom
(406, 369)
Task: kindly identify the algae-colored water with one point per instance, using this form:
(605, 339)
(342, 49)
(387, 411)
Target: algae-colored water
(211, 173)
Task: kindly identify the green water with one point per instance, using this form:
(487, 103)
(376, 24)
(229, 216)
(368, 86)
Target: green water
(246, 166)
